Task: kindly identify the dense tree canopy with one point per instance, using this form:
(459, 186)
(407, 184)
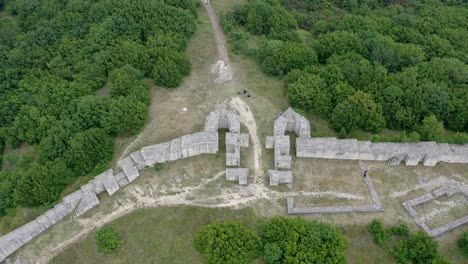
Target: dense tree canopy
(296, 240)
(55, 56)
(405, 60)
(230, 243)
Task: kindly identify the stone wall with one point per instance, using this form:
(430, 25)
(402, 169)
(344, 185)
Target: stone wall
(82, 200)
(288, 121)
(376, 205)
(78, 202)
(429, 153)
(448, 191)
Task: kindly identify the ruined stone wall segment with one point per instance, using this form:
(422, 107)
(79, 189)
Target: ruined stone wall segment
(317, 147)
(429, 153)
(138, 158)
(156, 153)
(270, 142)
(445, 228)
(460, 153)
(237, 174)
(244, 139)
(73, 198)
(107, 181)
(277, 177)
(129, 167)
(335, 209)
(372, 191)
(89, 201)
(280, 126)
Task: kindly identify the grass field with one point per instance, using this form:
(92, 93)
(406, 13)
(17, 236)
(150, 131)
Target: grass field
(164, 235)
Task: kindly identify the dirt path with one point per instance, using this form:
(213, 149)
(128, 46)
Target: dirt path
(122, 208)
(247, 118)
(232, 198)
(222, 68)
(219, 34)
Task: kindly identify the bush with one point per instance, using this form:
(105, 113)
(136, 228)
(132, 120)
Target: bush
(407, 248)
(431, 129)
(463, 243)
(420, 248)
(379, 233)
(272, 253)
(400, 230)
(230, 243)
(108, 241)
(460, 138)
(299, 241)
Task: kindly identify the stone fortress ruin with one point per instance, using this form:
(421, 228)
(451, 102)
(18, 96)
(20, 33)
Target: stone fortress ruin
(82, 200)
(207, 142)
(429, 153)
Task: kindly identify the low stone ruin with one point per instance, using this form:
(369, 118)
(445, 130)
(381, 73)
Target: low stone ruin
(288, 121)
(82, 200)
(237, 174)
(278, 177)
(376, 206)
(449, 190)
(225, 117)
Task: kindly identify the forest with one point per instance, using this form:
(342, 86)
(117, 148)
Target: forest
(75, 74)
(365, 64)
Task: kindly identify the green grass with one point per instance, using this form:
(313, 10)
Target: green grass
(159, 235)
(165, 235)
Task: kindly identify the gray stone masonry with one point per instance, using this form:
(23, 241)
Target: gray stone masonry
(106, 181)
(429, 153)
(128, 166)
(240, 175)
(288, 121)
(277, 177)
(234, 141)
(448, 190)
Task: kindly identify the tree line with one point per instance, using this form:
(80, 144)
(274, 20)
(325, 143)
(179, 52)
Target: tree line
(281, 240)
(54, 56)
(296, 240)
(367, 64)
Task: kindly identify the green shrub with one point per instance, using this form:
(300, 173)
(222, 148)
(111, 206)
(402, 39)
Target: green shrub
(460, 138)
(227, 243)
(108, 241)
(379, 233)
(272, 253)
(419, 248)
(400, 230)
(463, 243)
(414, 137)
(157, 167)
(295, 240)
